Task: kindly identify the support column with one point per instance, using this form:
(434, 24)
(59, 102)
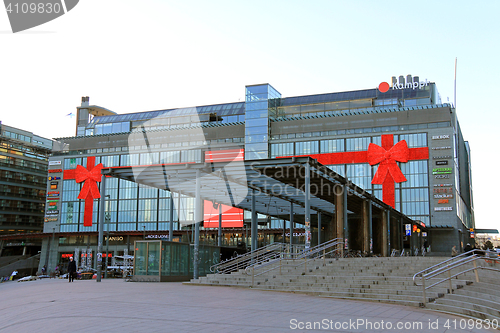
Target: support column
(171, 218)
(319, 228)
(339, 212)
(401, 233)
(370, 226)
(346, 221)
(307, 198)
(365, 222)
(292, 225)
(1, 247)
(197, 220)
(219, 231)
(101, 228)
(254, 224)
(385, 233)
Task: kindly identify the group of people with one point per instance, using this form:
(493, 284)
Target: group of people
(467, 248)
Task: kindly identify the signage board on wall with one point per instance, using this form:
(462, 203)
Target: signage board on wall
(54, 162)
(52, 212)
(54, 170)
(440, 137)
(439, 171)
(442, 176)
(407, 229)
(441, 162)
(443, 196)
(443, 190)
(50, 178)
(443, 209)
(441, 148)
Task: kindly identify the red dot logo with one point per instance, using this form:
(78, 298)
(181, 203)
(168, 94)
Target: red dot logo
(383, 87)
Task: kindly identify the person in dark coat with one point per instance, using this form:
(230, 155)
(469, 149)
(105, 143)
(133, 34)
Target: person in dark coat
(71, 269)
(467, 248)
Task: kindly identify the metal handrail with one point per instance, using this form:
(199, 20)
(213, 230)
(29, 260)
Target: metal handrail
(306, 255)
(453, 263)
(228, 262)
(242, 260)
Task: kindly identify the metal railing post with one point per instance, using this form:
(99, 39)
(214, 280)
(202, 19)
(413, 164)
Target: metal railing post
(305, 265)
(449, 278)
(324, 257)
(280, 267)
(423, 289)
(253, 274)
(475, 271)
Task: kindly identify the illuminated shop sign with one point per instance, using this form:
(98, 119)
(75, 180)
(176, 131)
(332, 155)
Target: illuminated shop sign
(52, 212)
(443, 209)
(441, 162)
(443, 201)
(53, 178)
(442, 185)
(443, 196)
(55, 170)
(442, 176)
(443, 190)
(54, 162)
(296, 234)
(439, 171)
(440, 137)
(51, 219)
(441, 157)
(53, 185)
(155, 236)
(441, 148)
(114, 238)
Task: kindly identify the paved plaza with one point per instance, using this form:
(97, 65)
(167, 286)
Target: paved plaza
(118, 306)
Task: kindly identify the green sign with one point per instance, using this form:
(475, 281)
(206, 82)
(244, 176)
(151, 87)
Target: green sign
(440, 171)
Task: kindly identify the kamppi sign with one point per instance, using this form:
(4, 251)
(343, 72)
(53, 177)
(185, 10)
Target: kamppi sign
(384, 87)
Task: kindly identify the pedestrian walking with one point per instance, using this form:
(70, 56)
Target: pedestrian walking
(71, 269)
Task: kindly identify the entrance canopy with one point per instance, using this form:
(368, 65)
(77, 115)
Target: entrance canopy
(277, 184)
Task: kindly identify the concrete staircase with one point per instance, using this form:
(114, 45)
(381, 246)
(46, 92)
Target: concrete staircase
(388, 280)
(477, 300)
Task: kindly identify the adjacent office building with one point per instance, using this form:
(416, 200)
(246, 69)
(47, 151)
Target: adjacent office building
(398, 142)
(23, 181)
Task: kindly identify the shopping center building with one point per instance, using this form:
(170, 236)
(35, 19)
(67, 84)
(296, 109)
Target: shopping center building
(397, 143)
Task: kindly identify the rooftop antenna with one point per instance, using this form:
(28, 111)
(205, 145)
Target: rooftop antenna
(455, 86)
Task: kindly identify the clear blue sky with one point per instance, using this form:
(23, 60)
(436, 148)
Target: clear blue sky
(155, 54)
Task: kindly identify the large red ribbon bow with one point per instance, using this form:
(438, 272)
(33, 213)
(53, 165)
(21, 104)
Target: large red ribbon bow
(90, 178)
(387, 159)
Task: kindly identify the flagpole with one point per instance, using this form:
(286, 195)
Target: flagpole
(455, 86)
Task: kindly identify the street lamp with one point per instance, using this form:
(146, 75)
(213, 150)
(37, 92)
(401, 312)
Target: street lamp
(108, 219)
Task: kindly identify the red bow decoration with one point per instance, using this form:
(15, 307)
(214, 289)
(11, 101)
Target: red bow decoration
(387, 159)
(90, 178)
(90, 175)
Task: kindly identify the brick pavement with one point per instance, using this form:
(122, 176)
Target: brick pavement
(117, 306)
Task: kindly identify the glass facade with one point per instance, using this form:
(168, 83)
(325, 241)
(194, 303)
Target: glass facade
(168, 260)
(412, 196)
(260, 104)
